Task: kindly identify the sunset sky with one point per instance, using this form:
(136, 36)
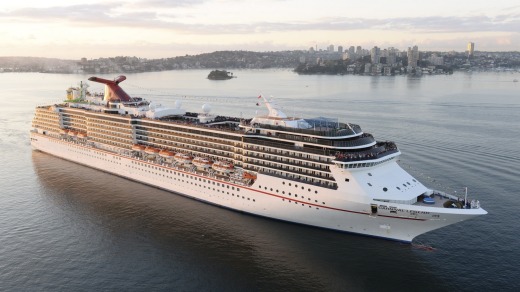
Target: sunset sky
(161, 28)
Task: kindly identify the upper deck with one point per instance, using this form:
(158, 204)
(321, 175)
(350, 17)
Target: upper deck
(339, 130)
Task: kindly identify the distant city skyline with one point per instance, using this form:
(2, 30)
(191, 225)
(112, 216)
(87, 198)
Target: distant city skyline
(160, 28)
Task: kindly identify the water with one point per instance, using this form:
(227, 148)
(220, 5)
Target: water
(65, 227)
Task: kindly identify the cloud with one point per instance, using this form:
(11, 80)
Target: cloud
(156, 14)
(166, 3)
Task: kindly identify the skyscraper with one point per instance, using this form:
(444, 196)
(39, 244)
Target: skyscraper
(471, 49)
(413, 56)
(375, 54)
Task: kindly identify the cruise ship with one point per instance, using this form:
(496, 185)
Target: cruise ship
(317, 172)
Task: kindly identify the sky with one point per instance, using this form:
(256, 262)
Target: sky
(92, 29)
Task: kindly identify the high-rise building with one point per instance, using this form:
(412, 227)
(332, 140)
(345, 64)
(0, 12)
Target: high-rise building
(330, 48)
(471, 49)
(340, 49)
(375, 53)
(392, 58)
(359, 50)
(413, 56)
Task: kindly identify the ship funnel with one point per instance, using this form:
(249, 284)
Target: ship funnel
(113, 92)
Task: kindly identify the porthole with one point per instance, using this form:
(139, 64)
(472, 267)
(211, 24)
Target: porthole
(398, 188)
(385, 189)
(369, 184)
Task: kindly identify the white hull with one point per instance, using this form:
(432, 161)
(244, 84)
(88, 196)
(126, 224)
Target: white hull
(268, 196)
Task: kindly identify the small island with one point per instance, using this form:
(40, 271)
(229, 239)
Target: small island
(220, 75)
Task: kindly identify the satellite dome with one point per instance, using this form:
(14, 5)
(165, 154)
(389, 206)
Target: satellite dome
(178, 104)
(206, 108)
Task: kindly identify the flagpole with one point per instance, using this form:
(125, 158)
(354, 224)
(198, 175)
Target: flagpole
(465, 196)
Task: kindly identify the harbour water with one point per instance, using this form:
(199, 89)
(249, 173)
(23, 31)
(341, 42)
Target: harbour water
(65, 227)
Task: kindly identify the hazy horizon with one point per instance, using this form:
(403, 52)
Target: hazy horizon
(182, 55)
(160, 28)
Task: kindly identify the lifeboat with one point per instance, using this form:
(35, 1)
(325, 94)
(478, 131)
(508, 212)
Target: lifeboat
(72, 133)
(165, 153)
(151, 150)
(64, 131)
(222, 166)
(202, 162)
(138, 147)
(82, 135)
(183, 158)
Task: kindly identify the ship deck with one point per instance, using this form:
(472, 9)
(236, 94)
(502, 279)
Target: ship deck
(439, 200)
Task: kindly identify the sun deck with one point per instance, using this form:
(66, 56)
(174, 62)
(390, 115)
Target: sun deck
(439, 199)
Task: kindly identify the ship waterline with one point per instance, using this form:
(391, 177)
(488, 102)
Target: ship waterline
(315, 172)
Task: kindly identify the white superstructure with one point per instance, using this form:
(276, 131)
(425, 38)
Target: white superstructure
(315, 172)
